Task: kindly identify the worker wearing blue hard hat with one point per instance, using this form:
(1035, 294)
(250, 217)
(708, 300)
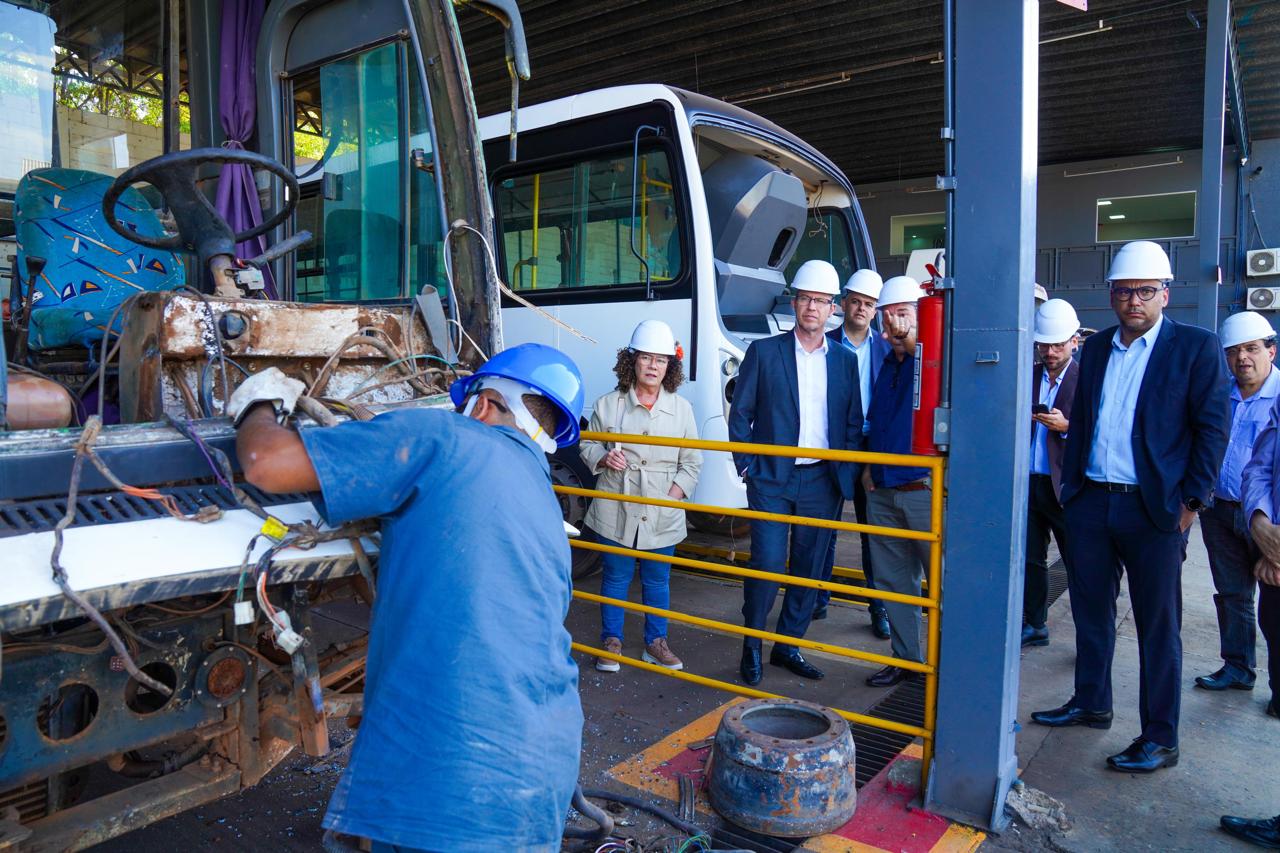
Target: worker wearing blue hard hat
(472, 726)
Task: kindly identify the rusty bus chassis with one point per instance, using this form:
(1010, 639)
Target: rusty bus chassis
(87, 751)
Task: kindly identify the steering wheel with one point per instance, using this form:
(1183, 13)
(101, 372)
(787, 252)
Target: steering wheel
(200, 227)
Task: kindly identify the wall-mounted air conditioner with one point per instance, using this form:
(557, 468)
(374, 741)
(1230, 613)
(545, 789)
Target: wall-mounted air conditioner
(1262, 262)
(1264, 298)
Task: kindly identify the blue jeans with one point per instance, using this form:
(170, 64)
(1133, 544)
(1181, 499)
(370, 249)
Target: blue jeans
(655, 590)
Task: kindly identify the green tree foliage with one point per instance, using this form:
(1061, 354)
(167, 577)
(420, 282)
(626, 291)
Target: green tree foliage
(78, 93)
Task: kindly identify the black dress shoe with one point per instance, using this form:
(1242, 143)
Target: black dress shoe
(889, 676)
(1069, 716)
(1226, 677)
(1032, 636)
(1264, 832)
(880, 623)
(794, 662)
(1273, 709)
(750, 667)
(1144, 756)
(819, 613)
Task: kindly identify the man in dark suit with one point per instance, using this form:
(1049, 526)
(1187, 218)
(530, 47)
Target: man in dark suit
(1148, 433)
(1053, 385)
(798, 390)
(858, 304)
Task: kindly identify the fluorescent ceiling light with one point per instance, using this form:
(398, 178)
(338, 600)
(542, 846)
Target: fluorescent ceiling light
(1103, 203)
(1116, 216)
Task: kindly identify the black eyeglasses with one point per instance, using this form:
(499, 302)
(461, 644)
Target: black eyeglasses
(814, 300)
(1123, 294)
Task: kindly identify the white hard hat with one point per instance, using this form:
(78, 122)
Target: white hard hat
(1041, 294)
(1056, 322)
(817, 277)
(1140, 261)
(1244, 327)
(900, 288)
(653, 336)
(865, 282)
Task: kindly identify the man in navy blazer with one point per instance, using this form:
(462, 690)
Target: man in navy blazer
(858, 304)
(1148, 432)
(1053, 388)
(796, 389)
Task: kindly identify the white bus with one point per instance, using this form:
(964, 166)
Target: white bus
(648, 201)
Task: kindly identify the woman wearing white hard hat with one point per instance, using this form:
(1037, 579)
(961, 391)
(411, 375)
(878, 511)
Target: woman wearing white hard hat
(649, 371)
(1053, 385)
(1250, 348)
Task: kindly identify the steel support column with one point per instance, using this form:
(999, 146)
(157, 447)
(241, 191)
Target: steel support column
(994, 238)
(1209, 204)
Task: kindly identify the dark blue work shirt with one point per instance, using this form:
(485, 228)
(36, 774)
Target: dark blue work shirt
(472, 724)
(890, 420)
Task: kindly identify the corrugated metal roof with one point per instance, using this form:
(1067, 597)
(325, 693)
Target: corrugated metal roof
(862, 82)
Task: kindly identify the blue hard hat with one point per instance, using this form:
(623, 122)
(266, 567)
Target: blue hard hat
(542, 368)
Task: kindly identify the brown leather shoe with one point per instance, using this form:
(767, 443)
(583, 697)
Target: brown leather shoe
(613, 646)
(660, 653)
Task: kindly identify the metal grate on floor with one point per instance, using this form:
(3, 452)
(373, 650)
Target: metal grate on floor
(35, 516)
(877, 747)
(1057, 580)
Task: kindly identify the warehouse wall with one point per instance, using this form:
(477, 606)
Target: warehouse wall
(1069, 261)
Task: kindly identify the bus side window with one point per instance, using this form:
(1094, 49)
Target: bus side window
(571, 226)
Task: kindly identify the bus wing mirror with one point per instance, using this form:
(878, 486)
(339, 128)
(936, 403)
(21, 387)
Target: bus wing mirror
(508, 14)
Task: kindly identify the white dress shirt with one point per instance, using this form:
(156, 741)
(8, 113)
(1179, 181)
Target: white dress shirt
(811, 385)
(1040, 432)
(863, 352)
(1111, 456)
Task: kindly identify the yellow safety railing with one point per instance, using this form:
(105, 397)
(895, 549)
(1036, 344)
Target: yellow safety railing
(930, 599)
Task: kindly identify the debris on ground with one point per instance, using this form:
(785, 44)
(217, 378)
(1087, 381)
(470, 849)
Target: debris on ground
(1036, 809)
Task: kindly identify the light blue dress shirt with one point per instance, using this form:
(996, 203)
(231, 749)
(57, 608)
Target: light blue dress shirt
(1248, 417)
(1040, 432)
(1111, 455)
(863, 352)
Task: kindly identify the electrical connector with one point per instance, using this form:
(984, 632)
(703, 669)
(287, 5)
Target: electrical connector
(244, 612)
(285, 637)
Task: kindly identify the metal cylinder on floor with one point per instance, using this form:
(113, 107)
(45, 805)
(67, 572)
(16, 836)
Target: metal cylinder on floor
(783, 767)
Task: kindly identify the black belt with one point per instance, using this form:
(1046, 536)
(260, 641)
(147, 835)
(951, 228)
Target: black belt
(1122, 488)
(1227, 502)
(1041, 476)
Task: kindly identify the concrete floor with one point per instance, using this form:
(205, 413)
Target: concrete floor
(1229, 746)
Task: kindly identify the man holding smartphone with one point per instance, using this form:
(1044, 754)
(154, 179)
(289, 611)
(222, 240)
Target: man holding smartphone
(1053, 387)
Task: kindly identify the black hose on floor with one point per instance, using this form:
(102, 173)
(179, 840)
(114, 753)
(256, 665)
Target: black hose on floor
(592, 812)
(637, 803)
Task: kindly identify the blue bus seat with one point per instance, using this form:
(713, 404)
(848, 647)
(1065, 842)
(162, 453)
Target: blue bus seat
(89, 269)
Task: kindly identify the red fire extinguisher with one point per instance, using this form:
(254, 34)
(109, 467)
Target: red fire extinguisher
(928, 370)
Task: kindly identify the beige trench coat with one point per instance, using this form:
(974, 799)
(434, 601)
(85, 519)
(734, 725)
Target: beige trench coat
(650, 471)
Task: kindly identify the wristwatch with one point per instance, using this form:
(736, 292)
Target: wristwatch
(1194, 504)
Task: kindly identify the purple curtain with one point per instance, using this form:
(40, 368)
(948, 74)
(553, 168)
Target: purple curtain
(237, 198)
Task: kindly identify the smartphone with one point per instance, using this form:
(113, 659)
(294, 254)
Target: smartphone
(1039, 409)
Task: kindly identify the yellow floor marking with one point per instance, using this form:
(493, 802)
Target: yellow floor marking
(638, 771)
